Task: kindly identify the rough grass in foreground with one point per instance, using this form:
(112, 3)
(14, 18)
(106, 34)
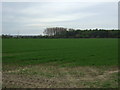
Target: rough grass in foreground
(49, 76)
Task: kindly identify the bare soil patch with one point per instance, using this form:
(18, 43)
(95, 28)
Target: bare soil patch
(50, 76)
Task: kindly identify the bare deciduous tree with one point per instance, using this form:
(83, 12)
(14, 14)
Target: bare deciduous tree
(54, 31)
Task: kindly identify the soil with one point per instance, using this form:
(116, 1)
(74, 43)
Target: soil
(49, 76)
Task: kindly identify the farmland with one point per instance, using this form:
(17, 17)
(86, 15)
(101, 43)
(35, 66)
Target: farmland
(74, 51)
(56, 58)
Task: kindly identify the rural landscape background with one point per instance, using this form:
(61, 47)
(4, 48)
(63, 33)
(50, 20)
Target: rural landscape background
(60, 45)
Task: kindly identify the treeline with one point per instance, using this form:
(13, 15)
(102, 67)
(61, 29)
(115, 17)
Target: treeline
(59, 32)
(21, 36)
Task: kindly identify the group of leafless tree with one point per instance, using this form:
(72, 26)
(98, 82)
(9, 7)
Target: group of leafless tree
(54, 31)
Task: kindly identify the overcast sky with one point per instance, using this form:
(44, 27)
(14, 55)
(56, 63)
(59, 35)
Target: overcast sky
(30, 18)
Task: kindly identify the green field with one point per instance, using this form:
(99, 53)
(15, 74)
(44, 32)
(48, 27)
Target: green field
(65, 52)
(60, 63)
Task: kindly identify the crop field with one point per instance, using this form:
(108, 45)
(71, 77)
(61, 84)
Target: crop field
(60, 63)
(62, 51)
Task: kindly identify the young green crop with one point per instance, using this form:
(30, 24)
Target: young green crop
(65, 52)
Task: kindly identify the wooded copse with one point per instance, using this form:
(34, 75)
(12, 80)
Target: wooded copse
(60, 32)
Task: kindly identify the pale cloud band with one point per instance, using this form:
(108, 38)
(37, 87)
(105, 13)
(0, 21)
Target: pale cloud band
(33, 18)
(60, 0)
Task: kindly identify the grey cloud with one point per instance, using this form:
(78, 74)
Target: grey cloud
(32, 18)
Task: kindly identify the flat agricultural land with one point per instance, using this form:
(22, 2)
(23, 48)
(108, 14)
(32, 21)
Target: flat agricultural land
(60, 63)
